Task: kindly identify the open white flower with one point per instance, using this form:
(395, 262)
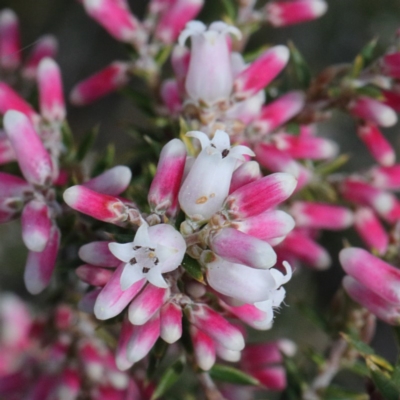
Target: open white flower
(155, 250)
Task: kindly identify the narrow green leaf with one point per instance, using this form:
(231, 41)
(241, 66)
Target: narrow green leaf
(163, 55)
(168, 379)
(396, 374)
(313, 316)
(228, 374)
(332, 166)
(370, 91)
(87, 143)
(337, 393)
(230, 9)
(384, 383)
(293, 128)
(67, 137)
(368, 50)
(105, 162)
(301, 68)
(250, 56)
(193, 268)
(359, 345)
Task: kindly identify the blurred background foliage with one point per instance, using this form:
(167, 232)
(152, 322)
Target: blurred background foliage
(85, 48)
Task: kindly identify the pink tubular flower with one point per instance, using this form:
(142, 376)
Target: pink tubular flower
(373, 110)
(175, 17)
(207, 184)
(204, 348)
(154, 251)
(260, 72)
(171, 322)
(116, 18)
(51, 95)
(98, 253)
(170, 96)
(204, 82)
(248, 172)
(321, 216)
(33, 159)
(295, 11)
(390, 65)
(164, 189)
(10, 49)
(371, 231)
(279, 111)
(378, 146)
(46, 46)
(375, 274)
(104, 82)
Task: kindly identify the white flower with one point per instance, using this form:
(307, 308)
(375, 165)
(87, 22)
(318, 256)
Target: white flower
(207, 183)
(155, 250)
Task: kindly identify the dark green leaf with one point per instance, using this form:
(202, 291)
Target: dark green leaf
(370, 91)
(295, 380)
(396, 374)
(300, 66)
(67, 137)
(193, 268)
(141, 100)
(87, 143)
(293, 128)
(313, 316)
(169, 378)
(225, 373)
(105, 162)
(384, 383)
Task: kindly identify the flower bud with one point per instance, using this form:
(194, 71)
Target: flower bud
(294, 12)
(170, 96)
(387, 178)
(204, 349)
(171, 322)
(260, 72)
(33, 158)
(111, 182)
(390, 64)
(93, 275)
(104, 82)
(10, 46)
(97, 253)
(248, 172)
(378, 146)
(250, 315)
(51, 96)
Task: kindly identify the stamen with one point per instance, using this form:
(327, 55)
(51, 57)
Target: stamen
(225, 153)
(145, 270)
(132, 261)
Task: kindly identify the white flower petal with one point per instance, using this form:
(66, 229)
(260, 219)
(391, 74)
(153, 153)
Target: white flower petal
(155, 278)
(123, 252)
(201, 136)
(142, 236)
(130, 275)
(221, 140)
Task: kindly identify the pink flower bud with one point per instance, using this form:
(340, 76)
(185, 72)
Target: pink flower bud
(204, 82)
(273, 378)
(237, 247)
(147, 303)
(279, 111)
(115, 17)
(170, 96)
(121, 356)
(372, 272)
(305, 146)
(390, 64)
(10, 100)
(69, 384)
(165, 186)
(51, 96)
(94, 275)
(171, 322)
(111, 182)
(270, 157)
(387, 178)
(248, 172)
(112, 299)
(258, 196)
(267, 225)
(360, 192)
(378, 146)
(97, 253)
(13, 186)
(251, 315)
(100, 206)
(373, 110)
(391, 99)
(383, 309)
(321, 216)
(7, 153)
(204, 349)
(306, 250)
(33, 159)
(46, 46)
(104, 82)
(293, 12)
(143, 339)
(36, 225)
(261, 72)
(174, 19)
(371, 230)
(40, 265)
(10, 46)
